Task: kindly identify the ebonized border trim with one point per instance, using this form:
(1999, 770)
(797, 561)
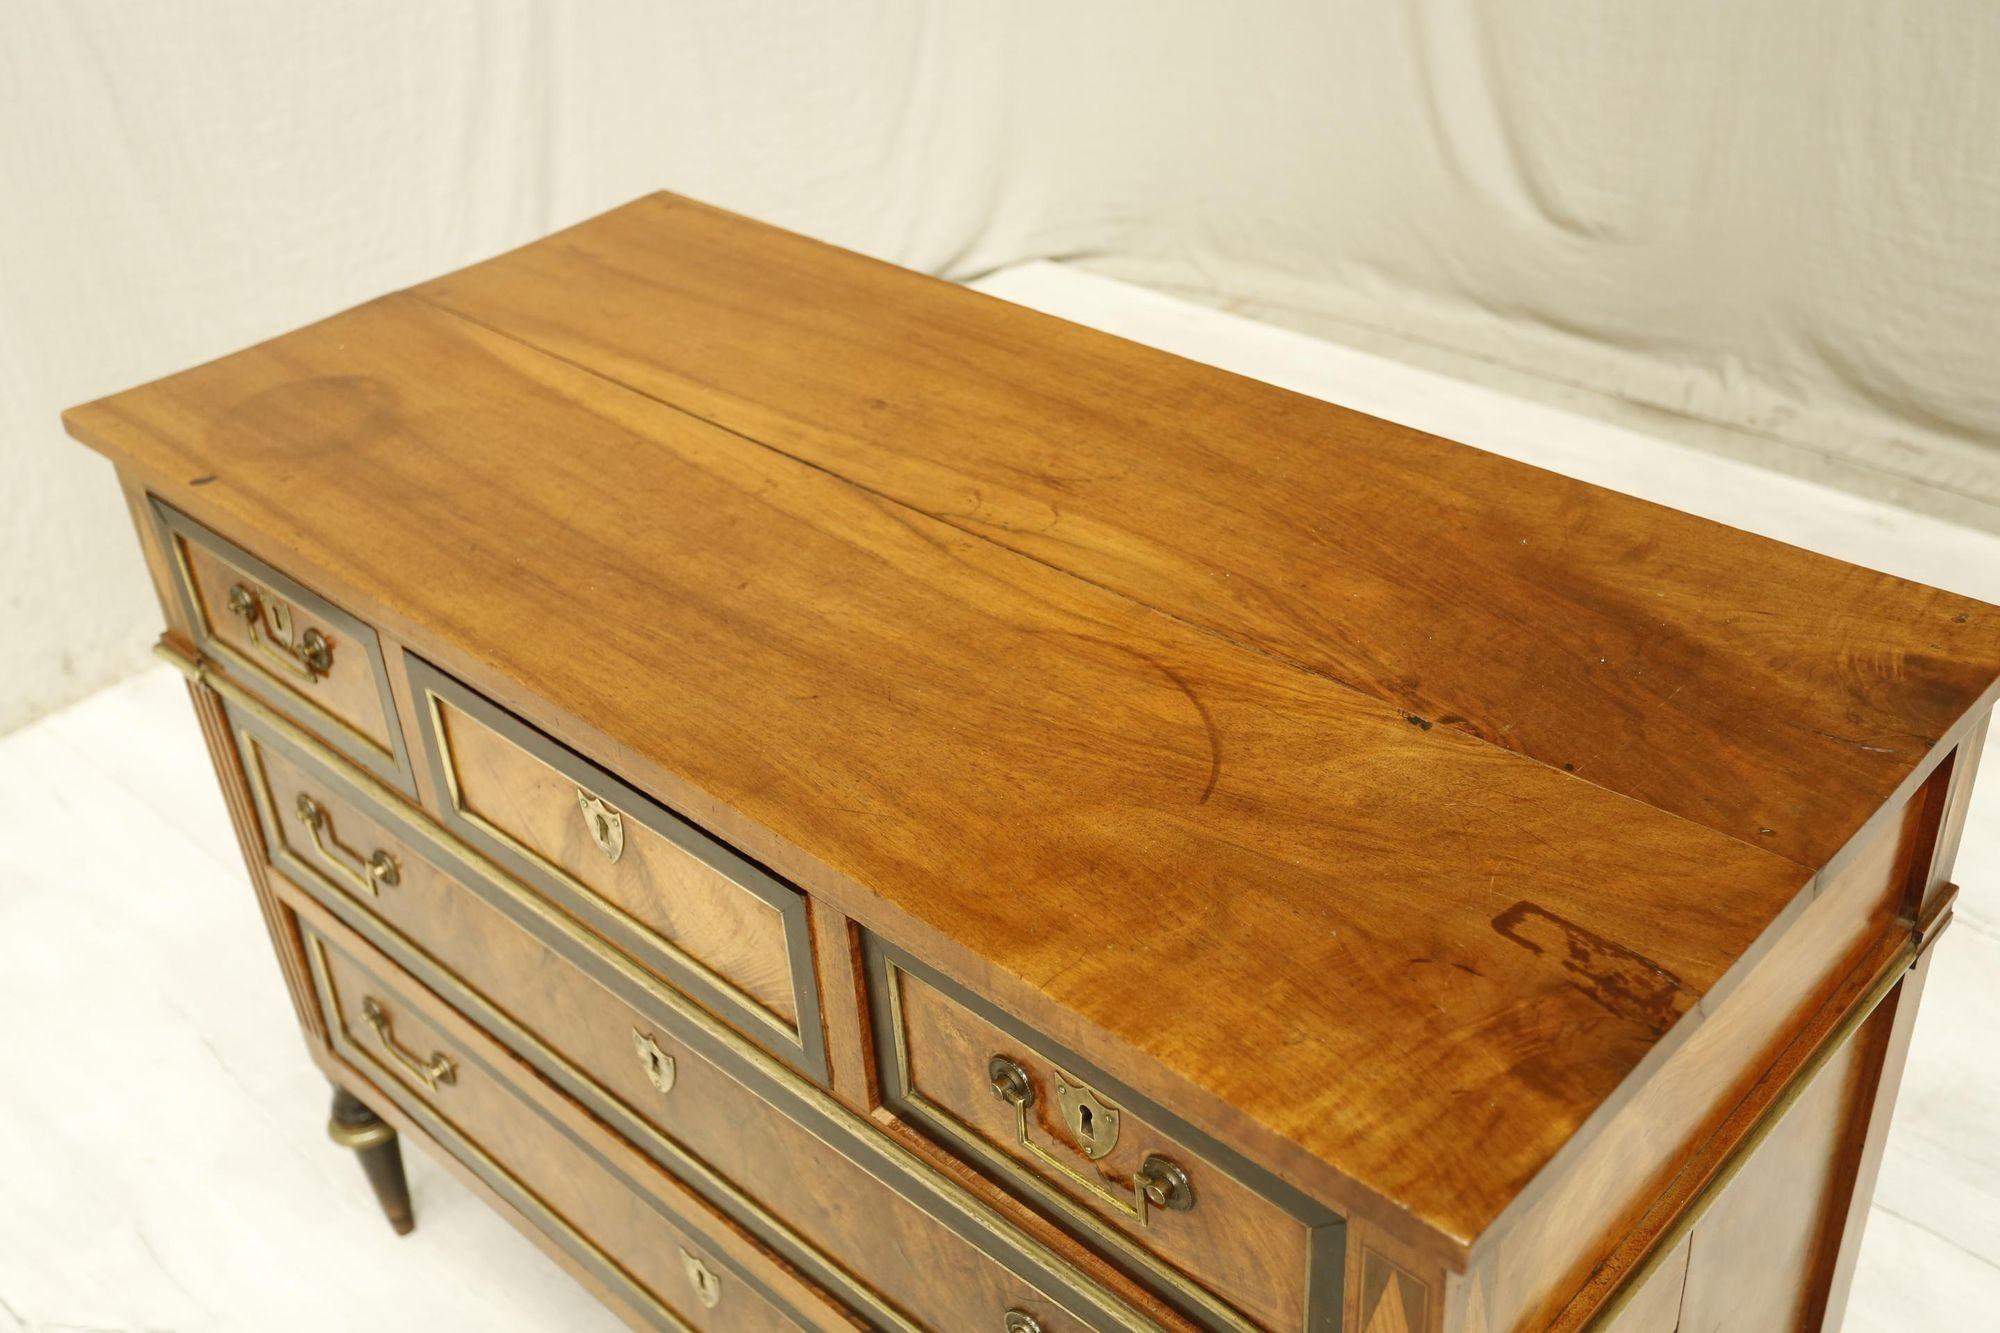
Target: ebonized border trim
(1326, 1257)
(804, 1046)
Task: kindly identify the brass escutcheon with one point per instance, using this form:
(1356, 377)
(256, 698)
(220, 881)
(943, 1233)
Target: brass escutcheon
(605, 825)
(660, 1067)
(1092, 1121)
(707, 1286)
(1158, 1183)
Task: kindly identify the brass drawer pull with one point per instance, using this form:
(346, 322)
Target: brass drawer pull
(269, 623)
(1160, 1181)
(438, 1069)
(364, 872)
(1020, 1321)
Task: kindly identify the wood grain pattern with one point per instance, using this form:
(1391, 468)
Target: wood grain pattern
(1773, 694)
(1331, 931)
(1393, 1286)
(1476, 850)
(1657, 1308)
(1237, 1244)
(692, 905)
(1759, 1258)
(905, 1256)
(836, 953)
(1872, 1118)
(342, 1074)
(350, 689)
(483, 1106)
(1614, 1171)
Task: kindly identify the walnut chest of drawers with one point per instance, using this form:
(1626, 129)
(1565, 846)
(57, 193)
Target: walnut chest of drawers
(831, 800)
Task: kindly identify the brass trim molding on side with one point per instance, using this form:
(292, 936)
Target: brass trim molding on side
(1740, 1153)
(1326, 1260)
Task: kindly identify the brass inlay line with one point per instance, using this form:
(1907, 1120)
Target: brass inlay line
(483, 1163)
(634, 1126)
(198, 616)
(1107, 1310)
(1745, 1148)
(752, 1007)
(1101, 1232)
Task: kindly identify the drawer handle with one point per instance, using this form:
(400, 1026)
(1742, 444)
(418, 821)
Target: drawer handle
(605, 825)
(432, 1072)
(659, 1066)
(269, 624)
(1159, 1183)
(364, 872)
(1020, 1321)
(707, 1286)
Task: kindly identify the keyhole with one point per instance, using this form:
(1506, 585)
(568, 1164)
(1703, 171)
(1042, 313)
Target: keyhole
(1083, 1124)
(603, 828)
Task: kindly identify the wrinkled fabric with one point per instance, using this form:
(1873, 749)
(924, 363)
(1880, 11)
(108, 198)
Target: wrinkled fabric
(1784, 216)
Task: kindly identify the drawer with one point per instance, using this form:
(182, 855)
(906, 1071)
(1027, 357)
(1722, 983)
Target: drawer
(288, 645)
(671, 1272)
(832, 1195)
(1220, 1235)
(683, 904)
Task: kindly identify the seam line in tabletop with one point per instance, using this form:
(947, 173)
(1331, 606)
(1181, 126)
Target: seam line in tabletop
(1208, 631)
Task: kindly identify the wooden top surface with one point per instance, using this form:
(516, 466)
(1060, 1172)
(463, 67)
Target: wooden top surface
(1394, 796)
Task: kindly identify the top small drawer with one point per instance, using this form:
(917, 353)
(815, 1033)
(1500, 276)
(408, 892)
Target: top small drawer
(684, 905)
(292, 647)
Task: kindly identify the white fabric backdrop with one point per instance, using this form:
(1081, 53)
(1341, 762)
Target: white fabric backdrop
(1784, 216)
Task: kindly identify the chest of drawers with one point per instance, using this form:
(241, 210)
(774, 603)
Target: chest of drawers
(833, 801)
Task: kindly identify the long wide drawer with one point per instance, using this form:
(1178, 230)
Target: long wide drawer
(378, 1020)
(832, 1195)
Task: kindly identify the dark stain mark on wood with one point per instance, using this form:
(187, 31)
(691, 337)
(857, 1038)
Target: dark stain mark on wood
(202, 480)
(1626, 984)
(1208, 724)
(1174, 678)
(1421, 723)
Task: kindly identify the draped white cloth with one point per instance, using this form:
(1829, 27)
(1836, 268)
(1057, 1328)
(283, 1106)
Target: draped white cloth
(1783, 216)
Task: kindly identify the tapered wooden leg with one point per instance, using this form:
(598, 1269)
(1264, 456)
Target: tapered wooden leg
(355, 1126)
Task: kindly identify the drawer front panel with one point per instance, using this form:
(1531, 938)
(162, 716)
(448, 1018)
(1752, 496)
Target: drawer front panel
(669, 1271)
(685, 905)
(1236, 1246)
(832, 1196)
(291, 647)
